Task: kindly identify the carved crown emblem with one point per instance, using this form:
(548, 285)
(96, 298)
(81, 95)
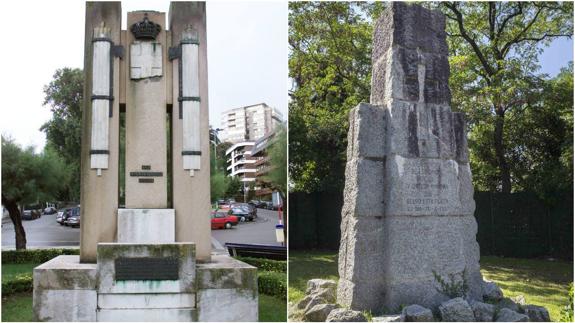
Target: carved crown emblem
(145, 29)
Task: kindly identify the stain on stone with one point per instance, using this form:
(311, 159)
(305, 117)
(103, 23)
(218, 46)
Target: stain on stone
(412, 140)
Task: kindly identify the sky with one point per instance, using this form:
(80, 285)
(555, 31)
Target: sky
(247, 57)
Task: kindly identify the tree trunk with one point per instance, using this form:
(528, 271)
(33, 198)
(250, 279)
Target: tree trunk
(504, 172)
(16, 218)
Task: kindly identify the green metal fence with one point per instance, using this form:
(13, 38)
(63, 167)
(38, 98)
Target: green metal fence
(511, 225)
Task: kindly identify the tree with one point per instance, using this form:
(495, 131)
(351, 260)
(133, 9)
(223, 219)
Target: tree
(330, 65)
(64, 95)
(543, 160)
(277, 176)
(29, 178)
(494, 48)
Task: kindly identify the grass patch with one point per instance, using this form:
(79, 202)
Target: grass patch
(542, 282)
(271, 309)
(17, 308)
(10, 271)
(307, 265)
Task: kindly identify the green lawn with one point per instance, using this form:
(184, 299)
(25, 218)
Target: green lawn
(18, 307)
(9, 271)
(542, 282)
(272, 309)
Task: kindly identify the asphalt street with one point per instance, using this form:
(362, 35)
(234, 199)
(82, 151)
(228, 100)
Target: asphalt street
(42, 232)
(261, 231)
(45, 232)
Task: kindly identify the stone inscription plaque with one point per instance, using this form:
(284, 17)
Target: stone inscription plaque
(424, 187)
(147, 268)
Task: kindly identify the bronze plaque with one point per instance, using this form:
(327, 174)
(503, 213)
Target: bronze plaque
(147, 268)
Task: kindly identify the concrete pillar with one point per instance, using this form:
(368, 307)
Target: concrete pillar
(191, 193)
(99, 194)
(146, 126)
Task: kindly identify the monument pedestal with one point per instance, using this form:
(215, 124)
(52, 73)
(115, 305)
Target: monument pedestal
(223, 289)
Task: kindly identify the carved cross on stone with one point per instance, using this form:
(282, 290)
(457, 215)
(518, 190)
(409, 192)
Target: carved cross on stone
(145, 60)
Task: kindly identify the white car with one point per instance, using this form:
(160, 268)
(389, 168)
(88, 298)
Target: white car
(59, 217)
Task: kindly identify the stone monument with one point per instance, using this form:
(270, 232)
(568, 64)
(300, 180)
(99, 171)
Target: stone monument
(408, 210)
(151, 259)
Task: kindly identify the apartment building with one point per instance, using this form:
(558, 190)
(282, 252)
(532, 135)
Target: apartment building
(249, 123)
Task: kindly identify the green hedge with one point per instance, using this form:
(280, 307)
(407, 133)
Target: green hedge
(273, 284)
(265, 264)
(19, 284)
(34, 256)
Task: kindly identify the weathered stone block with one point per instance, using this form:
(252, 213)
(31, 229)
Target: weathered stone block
(134, 301)
(491, 291)
(319, 312)
(345, 315)
(225, 272)
(367, 132)
(227, 305)
(146, 225)
(417, 130)
(537, 313)
(147, 315)
(363, 196)
(361, 262)
(316, 285)
(507, 315)
(65, 272)
(65, 290)
(109, 252)
(456, 310)
(417, 187)
(388, 318)
(483, 312)
(417, 313)
(65, 305)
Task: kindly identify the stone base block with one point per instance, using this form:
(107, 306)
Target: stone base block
(227, 290)
(134, 301)
(65, 290)
(147, 315)
(109, 253)
(146, 225)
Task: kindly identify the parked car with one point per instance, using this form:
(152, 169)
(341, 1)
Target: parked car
(60, 216)
(73, 218)
(258, 203)
(248, 207)
(223, 204)
(221, 220)
(31, 214)
(68, 213)
(50, 210)
(242, 213)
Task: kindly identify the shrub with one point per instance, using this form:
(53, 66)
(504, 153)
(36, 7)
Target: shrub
(18, 284)
(34, 256)
(265, 264)
(567, 311)
(273, 284)
(455, 287)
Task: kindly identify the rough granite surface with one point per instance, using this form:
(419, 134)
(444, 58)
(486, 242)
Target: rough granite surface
(408, 196)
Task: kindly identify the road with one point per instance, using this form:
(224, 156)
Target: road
(45, 232)
(261, 231)
(42, 232)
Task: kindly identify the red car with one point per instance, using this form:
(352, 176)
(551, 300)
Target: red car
(221, 220)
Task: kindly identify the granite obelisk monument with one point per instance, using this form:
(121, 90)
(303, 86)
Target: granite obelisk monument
(408, 210)
(150, 259)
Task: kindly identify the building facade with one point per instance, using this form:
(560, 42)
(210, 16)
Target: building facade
(249, 123)
(240, 163)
